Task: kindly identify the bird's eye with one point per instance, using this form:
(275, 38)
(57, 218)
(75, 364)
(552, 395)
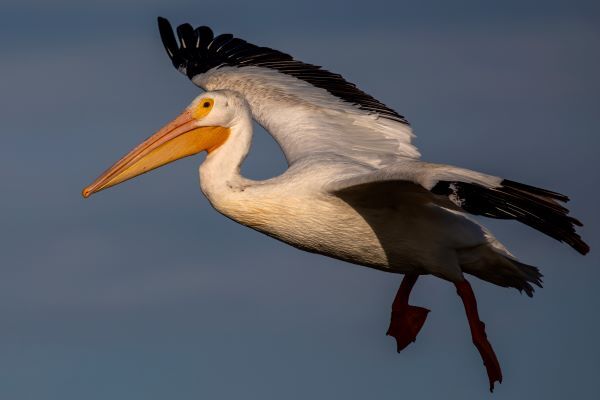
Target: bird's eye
(203, 107)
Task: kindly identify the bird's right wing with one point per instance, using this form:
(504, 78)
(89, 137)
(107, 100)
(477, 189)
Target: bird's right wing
(466, 191)
(306, 108)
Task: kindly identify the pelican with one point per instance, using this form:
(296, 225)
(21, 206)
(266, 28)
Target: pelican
(356, 188)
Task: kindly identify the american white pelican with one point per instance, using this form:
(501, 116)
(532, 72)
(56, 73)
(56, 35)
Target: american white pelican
(355, 188)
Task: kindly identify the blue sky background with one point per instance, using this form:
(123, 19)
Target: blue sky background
(145, 292)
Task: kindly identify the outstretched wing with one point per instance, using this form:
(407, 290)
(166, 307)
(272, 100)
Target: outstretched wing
(307, 109)
(467, 191)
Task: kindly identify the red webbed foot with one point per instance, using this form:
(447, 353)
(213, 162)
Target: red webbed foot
(406, 324)
(406, 320)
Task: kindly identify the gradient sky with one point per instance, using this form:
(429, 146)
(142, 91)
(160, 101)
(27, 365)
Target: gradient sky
(145, 292)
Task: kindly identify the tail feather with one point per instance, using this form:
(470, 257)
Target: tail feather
(490, 265)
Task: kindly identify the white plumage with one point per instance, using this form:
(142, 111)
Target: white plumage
(305, 119)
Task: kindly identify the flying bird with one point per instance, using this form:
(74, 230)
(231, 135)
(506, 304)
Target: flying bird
(356, 188)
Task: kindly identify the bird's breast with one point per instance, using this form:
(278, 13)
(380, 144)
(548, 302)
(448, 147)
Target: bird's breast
(319, 224)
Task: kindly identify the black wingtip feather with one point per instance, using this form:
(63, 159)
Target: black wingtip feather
(185, 32)
(534, 190)
(168, 39)
(205, 36)
(530, 205)
(220, 41)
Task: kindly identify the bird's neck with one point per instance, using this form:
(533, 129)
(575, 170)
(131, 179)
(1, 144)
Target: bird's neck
(220, 172)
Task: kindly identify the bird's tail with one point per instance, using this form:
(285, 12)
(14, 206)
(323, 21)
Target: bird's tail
(497, 266)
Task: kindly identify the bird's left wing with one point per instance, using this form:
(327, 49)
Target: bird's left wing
(466, 191)
(306, 108)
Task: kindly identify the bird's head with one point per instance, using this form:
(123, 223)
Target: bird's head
(203, 126)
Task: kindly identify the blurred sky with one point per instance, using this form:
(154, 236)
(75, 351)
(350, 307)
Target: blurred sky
(145, 292)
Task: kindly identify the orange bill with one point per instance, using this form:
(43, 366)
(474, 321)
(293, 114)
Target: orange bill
(179, 138)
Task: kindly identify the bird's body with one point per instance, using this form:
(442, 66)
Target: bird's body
(407, 233)
(355, 190)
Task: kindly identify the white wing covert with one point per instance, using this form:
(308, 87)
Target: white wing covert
(305, 108)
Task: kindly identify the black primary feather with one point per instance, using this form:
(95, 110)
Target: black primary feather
(532, 206)
(224, 50)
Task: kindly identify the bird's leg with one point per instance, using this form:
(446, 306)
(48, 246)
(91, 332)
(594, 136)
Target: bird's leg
(480, 341)
(406, 320)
